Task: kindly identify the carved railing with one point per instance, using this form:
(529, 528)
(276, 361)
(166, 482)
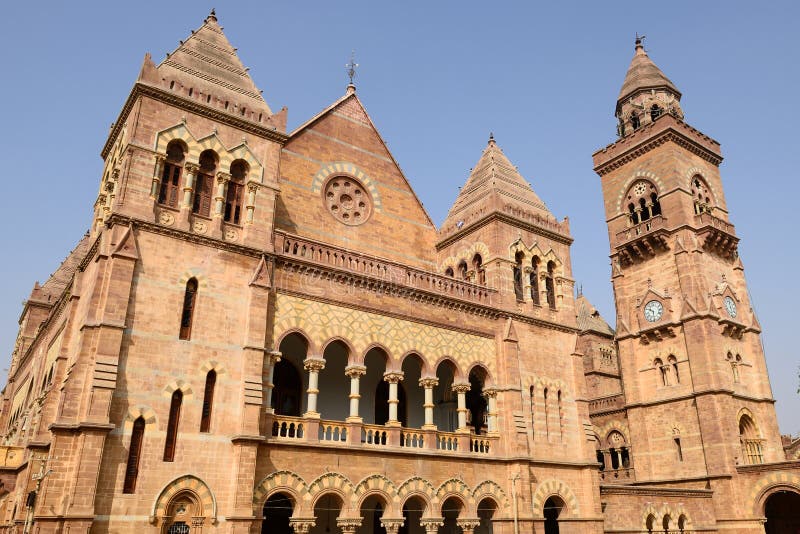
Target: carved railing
(412, 438)
(612, 402)
(479, 444)
(706, 219)
(643, 228)
(447, 441)
(717, 235)
(374, 435)
(624, 474)
(287, 427)
(379, 269)
(332, 431)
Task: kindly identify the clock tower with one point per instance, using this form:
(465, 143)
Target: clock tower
(696, 389)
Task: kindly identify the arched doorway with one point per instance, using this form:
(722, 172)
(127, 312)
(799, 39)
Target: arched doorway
(451, 509)
(552, 509)
(183, 510)
(372, 510)
(476, 403)
(486, 509)
(287, 394)
(412, 514)
(277, 511)
(326, 511)
(781, 510)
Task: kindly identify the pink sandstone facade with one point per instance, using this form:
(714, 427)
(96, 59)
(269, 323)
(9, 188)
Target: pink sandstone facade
(263, 331)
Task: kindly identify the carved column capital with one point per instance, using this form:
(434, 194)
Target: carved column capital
(253, 186)
(274, 356)
(223, 177)
(468, 524)
(392, 525)
(393, 377)
(192, 168)
(431, 524)
(491, 393)
(301, 525)
(348, 524)
(428, 382)
(355, 371)
(314, 364)
(462, 387)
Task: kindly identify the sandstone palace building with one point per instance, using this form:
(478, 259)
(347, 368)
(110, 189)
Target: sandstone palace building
(263, 331)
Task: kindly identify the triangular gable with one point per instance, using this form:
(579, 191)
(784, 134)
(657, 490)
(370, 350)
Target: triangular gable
(260, 276)
(126, 245)
(510, 334)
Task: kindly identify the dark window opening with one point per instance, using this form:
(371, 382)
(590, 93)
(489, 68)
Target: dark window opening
(518, 276)
(678, 449)
(462, 269)
(549, 285)
(449, 272)
(233, 197)
(655, 112)
(287, 391)
(635, 121)
(480, 273)
(187, 315)
(204, 185)
(601, 459)
(535, 297)
(169, 192)
(134, 455)
(208, 401)
(172, 425)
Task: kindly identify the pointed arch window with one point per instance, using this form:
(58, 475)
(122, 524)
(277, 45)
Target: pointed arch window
(701, 195)
(204, 184)
(208, 401)
(672, 361)
(750, 440)
(535, 297)
(462, 269)
(134, 456)
(235, 192)
(169, 192)
(187, 314)
(449, 272)
(549, 284)
(480, 272)
(663, 371)
(172, 425)
(546, 415)
(518, 275)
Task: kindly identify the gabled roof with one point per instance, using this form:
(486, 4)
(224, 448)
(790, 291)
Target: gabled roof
(589, 318)
(52, 289)
(208, 62)
(644, 74)
(493, 184)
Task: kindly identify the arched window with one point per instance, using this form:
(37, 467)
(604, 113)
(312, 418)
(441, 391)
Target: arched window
(533, 411)
(134, 455)
(666, 523)
(750, 440)
(208, 401)
(187, 314)
(204, 184)
(462, 269)
(560, 416)
(549, 284)
(171, 175)
(518, 275)
(682, 523)
(673, 363)
(662, 371)
(643, 204)
(480, 272)
(635, 120)
(535, 280)
(234, 195)
(655, 112)
(650, 523)
(449, 272)
(172, 425)
(701, 194)
(546, 416)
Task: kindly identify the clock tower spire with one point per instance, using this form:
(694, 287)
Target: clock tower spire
(696, 389)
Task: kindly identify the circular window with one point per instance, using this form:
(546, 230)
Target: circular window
(347, 200)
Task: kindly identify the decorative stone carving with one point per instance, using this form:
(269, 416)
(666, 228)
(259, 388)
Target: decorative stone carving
(166, 218)
(200, 227)
(231, 235)
(347, 200)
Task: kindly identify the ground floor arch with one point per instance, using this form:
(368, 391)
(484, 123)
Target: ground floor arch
(276, 513)
(553, 507)
(781, 512)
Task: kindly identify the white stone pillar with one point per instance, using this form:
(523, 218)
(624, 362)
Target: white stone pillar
(188, 184)
(249, 208)
(222, 183)
(355, 372)
(491, 419)
(273, 357)
(313, 366)
(159, 172)
(393, 378)
(428, 383)
(461, 389)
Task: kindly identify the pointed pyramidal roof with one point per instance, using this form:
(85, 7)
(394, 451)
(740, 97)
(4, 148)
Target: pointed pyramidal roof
(494, 184)
(643, 74)
(209, 64)
(589, 319)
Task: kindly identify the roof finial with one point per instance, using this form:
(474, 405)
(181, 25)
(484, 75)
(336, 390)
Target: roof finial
(212, 15)
(491, 138)
(351, 70)
(639, 39)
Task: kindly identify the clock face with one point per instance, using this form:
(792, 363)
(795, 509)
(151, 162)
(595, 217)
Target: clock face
(730, 306)
(653, 311)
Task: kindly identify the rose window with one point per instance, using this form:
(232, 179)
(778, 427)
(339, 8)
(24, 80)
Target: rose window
(347, 200)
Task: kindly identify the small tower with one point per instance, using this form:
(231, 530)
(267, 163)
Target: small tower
(646, 94)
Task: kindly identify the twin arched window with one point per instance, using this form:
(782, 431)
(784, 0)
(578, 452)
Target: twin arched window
(735, 362)
(701, 194)
(535, 274)
(643, 204)
(668, 372)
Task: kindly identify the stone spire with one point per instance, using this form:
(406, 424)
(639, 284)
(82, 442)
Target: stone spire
(494, 185)
(645, 86)
(205, 67)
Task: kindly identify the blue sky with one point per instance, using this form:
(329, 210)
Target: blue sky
(436, 78)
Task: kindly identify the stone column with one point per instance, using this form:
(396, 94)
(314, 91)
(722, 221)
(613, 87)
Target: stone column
(274, 357)
(313, 366)
(431, 524)
(159, 172)
(491, 397)
(428, 383)
(461, 389)
(393, 378)
(392, 525)
(219, 200)
(468, 524)
(301, 525)
(355, 372)
(188, 185)
(349, 525)
(607, 460)
(250, 205)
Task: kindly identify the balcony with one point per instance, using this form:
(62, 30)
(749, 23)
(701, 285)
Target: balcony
(623, 475)
(606, 404)
(383, 275)
(716, 235)
(302, 430)
(642, 241)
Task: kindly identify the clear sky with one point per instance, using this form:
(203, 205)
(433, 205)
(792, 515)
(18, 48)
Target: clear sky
(436, 78)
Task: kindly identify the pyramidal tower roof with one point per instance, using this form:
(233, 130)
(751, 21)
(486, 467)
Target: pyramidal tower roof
(643, 74)
(589, 319)
(209, 64)
(494, 184)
